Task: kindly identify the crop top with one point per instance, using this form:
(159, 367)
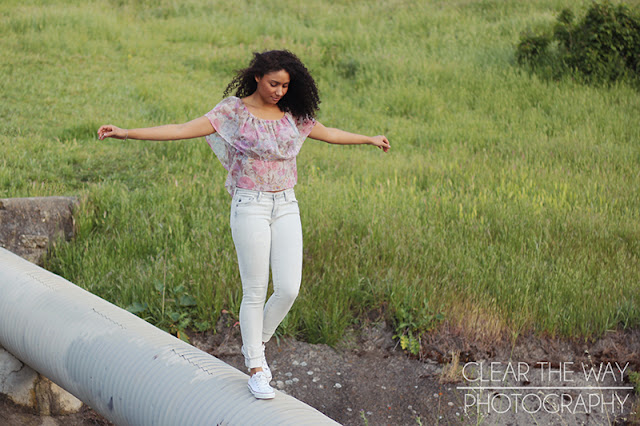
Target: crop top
(259, 154)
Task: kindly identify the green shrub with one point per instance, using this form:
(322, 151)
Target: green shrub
(532, 47)
(604, 46)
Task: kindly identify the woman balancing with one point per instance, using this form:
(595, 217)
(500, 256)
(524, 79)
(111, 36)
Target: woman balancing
(257, 135)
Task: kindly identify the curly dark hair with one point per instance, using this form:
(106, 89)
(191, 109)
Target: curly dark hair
(301, 99)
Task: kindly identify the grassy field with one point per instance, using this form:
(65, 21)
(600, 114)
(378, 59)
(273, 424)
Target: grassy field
(507, 204)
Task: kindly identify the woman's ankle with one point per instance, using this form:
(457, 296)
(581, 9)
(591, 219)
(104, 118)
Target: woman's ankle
(253, 371)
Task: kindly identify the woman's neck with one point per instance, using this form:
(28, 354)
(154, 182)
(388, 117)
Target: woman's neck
(261, 109)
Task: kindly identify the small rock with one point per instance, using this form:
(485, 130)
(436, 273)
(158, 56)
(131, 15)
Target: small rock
(310, 372)
(435, 395)
(450, 404)
(295, 380)
(337, 386)
(58, 401)
(288, 382)
(295, 363)
(303, 364)
(349, 410)
(288, 374)
(316, 379)
(280, 384)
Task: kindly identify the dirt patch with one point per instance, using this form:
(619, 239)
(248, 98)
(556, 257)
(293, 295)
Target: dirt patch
(367, 379)
(364, 379)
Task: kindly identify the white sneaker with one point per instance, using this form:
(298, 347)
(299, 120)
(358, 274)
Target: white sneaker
(259, 386)
(265, 367)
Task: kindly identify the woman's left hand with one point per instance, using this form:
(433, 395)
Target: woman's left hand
(381, 142)
(340, 137)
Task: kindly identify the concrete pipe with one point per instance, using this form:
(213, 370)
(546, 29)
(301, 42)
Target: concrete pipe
(127, 370)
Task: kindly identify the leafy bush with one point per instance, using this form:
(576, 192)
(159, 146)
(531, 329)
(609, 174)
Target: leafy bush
(532, 47)
(411, 323)
(604, 46)
(175, 313)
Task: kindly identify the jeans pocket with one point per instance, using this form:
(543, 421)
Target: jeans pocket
(292, 205)
(244, 202)
(291, 198)
(245, 199)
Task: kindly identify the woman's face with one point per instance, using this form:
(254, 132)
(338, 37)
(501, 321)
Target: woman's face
(273, 86)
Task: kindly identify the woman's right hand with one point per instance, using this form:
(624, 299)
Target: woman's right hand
(111, 131)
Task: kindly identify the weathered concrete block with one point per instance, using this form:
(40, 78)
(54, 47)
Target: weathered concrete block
(27, 388)
(29, 225)
(17, 380)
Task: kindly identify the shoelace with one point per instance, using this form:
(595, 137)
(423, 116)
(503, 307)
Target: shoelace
(261, 379)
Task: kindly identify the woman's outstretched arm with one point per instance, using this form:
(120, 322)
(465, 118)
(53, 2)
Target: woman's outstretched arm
(340, 137)
(193, 129)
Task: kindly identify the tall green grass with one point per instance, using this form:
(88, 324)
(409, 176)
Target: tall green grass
(504, 195)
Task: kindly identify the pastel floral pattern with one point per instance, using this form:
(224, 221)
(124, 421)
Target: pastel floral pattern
(258, 154)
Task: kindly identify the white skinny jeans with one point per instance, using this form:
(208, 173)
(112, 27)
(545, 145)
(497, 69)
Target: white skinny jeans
(266, 231)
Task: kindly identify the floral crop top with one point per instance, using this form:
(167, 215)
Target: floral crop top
(258, 154)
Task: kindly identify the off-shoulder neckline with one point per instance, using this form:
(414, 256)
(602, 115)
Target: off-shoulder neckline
(246, 108)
